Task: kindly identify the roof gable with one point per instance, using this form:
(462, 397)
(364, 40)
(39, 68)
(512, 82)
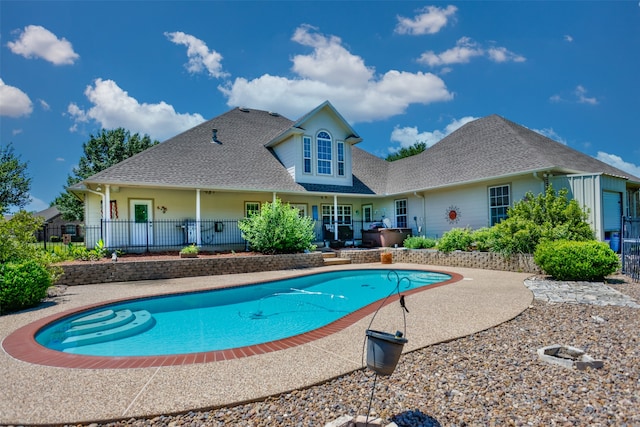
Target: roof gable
(302, 123)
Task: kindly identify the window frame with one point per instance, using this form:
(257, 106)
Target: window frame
(340, 158)
(253, 211)
(401, 209)
(307, 155)
(324, 153)
(344, 211)
(498, 212)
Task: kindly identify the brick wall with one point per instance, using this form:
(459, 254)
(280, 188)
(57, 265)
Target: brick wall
(482, 260)
(107, 272)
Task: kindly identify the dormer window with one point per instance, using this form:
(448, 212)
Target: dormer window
(325, 154)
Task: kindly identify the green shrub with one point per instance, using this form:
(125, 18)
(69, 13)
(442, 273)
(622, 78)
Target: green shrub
(483, 239)
(191, 249)
(22, 285)
(545, 217)
(81, 253)
(456, 239)
(55, 239)
(278, 229)
(566, 260)
(419, 242)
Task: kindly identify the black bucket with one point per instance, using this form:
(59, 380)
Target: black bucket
(383, 351)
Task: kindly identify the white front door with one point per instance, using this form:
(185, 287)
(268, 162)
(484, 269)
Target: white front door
(141, 219)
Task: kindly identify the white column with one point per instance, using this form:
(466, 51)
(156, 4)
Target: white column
(335, 217)
(198, 227)
(107, 215)
(274, 197)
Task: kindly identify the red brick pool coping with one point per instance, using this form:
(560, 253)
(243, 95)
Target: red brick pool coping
(22, 345)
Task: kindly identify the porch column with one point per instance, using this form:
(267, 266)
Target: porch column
(198, 227)
(274, 197)
(335, 217)
(107, 215)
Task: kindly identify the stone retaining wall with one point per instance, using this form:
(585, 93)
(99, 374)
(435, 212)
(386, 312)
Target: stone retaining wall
(482, 260)
(108, 272)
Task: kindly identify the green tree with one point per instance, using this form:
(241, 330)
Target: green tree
(545, 217)
(416, 148)
(278, 229)
(17, 237)
(14, 182)
(100, 152)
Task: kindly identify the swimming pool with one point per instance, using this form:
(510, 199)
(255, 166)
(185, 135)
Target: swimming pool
(216, 320)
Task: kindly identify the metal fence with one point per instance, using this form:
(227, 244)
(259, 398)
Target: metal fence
(630, 248)
(215, 234)
(165, 235)
(51, 236)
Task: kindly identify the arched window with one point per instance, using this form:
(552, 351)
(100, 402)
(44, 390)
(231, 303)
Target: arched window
(323, 140)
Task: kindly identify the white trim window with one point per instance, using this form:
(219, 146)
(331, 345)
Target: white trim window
(499, 202)
(344, 214)
(251, 208)
(340, 154)
(306, 154)
(325, 153)
(401, 213)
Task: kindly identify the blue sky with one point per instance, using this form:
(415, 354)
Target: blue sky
(399, 71)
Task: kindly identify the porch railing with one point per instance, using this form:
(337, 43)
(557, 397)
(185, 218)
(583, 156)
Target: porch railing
(215, 234)
(131, 236)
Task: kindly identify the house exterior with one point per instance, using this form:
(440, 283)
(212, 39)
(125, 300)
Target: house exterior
(56, 228)
(194, 187)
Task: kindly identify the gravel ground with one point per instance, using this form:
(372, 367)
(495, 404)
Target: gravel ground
(491, 378)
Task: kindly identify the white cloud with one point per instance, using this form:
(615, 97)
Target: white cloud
(113, 107)
(551, 134)
(332, 72)
(408, 136)
(38, 42)
(568, 38)
(16, 132)
(581, 94)
(60, 159)
(462, 53)
(330, 62)
(466, 49)
(430, 20)
(501, 54)
(616, 161)
(13, 101)
(200, 57)
(44, 105)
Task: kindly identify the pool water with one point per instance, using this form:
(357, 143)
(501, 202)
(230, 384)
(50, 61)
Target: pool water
(226, 318)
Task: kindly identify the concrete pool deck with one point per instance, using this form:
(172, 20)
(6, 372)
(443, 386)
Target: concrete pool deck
(39, 394)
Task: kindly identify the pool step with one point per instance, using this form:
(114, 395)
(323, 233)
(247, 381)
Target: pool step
(115, 320)
(107, 325)
(330, 258)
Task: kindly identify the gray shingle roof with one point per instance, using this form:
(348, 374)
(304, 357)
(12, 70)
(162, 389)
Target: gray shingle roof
(487, 148)
(192, 160)
(483, 149)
